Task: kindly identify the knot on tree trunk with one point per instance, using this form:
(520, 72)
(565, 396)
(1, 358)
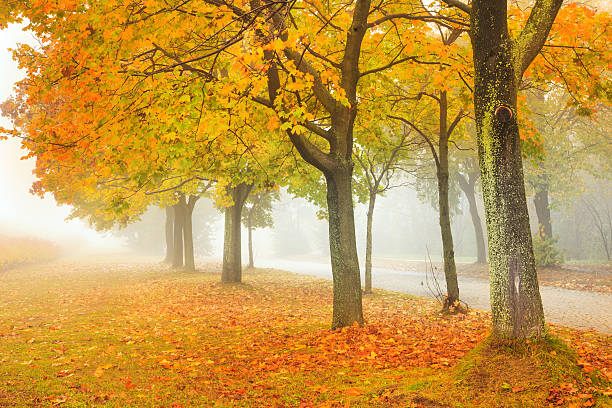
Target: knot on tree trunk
(504, 113)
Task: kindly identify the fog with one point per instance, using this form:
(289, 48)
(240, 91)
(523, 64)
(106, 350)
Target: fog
(21, 213)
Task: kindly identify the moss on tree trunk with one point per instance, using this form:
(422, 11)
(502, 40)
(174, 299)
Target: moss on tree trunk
(499, 63)
(343, 250)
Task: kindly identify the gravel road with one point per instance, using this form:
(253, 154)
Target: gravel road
(573, 308)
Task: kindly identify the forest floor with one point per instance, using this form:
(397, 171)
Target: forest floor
(136, 334)
(586, 277)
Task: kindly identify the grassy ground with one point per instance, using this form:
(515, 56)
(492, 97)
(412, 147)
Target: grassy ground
(140, 335)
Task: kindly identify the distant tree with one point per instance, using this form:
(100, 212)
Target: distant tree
(169, 233)
(599, 207)
(378, 165)
(257, 213)
(232, 239)
(467, 176)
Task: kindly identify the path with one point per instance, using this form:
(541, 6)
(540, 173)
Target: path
(582, 310)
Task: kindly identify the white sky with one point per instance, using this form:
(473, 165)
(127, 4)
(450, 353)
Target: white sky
(20, 212)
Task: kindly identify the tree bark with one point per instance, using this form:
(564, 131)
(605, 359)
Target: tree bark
(499, 64)
(368, 259)
(343, 249)
(179, 222)
(188, 233)
(467, 186)
(542, 207)
(169, 234)
(232, 245)
(450, 269)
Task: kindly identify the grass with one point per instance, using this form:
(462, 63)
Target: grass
(140, 335)
(15, 251)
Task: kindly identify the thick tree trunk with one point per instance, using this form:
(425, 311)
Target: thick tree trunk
(516, 305)
(467, 186)
(179, 223)
(542, 207)
(232, 245)
(450, 269)
(368, 259)
(336, 165)
(250, 229)
(188, 234)
(169, 234)
(343, 250)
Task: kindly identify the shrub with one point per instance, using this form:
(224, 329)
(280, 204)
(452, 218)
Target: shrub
(546, 252)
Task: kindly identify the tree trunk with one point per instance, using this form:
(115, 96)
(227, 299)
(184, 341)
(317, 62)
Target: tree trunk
(467, 186)
(188, 233)
(516, 305)
(232, 245)
(343, 249)
(450, 270)
(368, 260)
(179, 223)
(169, 234)
(542, 207)
(250, 229)
(337, 164)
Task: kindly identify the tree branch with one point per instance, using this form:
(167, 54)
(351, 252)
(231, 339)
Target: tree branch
(423, 135)
(457, 4)
(533, 36)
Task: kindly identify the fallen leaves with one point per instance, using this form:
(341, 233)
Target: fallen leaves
(129, 334)
(101, 369)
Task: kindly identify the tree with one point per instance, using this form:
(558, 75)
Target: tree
(315, 89)
(440, 152)
(378, 164)
(499, 64)
(467, 176)
(599, 207)
(257, 214)
(570, 147)
(169, 234)
(232, 242)
(500, 59)
(118, 69)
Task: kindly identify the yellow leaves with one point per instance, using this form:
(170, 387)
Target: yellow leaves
(101, 369)
(330, 76)
(276, 45)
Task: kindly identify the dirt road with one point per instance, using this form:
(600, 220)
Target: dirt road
(573, 308)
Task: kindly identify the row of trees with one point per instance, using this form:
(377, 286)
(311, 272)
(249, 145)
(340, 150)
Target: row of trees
(129, 104)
